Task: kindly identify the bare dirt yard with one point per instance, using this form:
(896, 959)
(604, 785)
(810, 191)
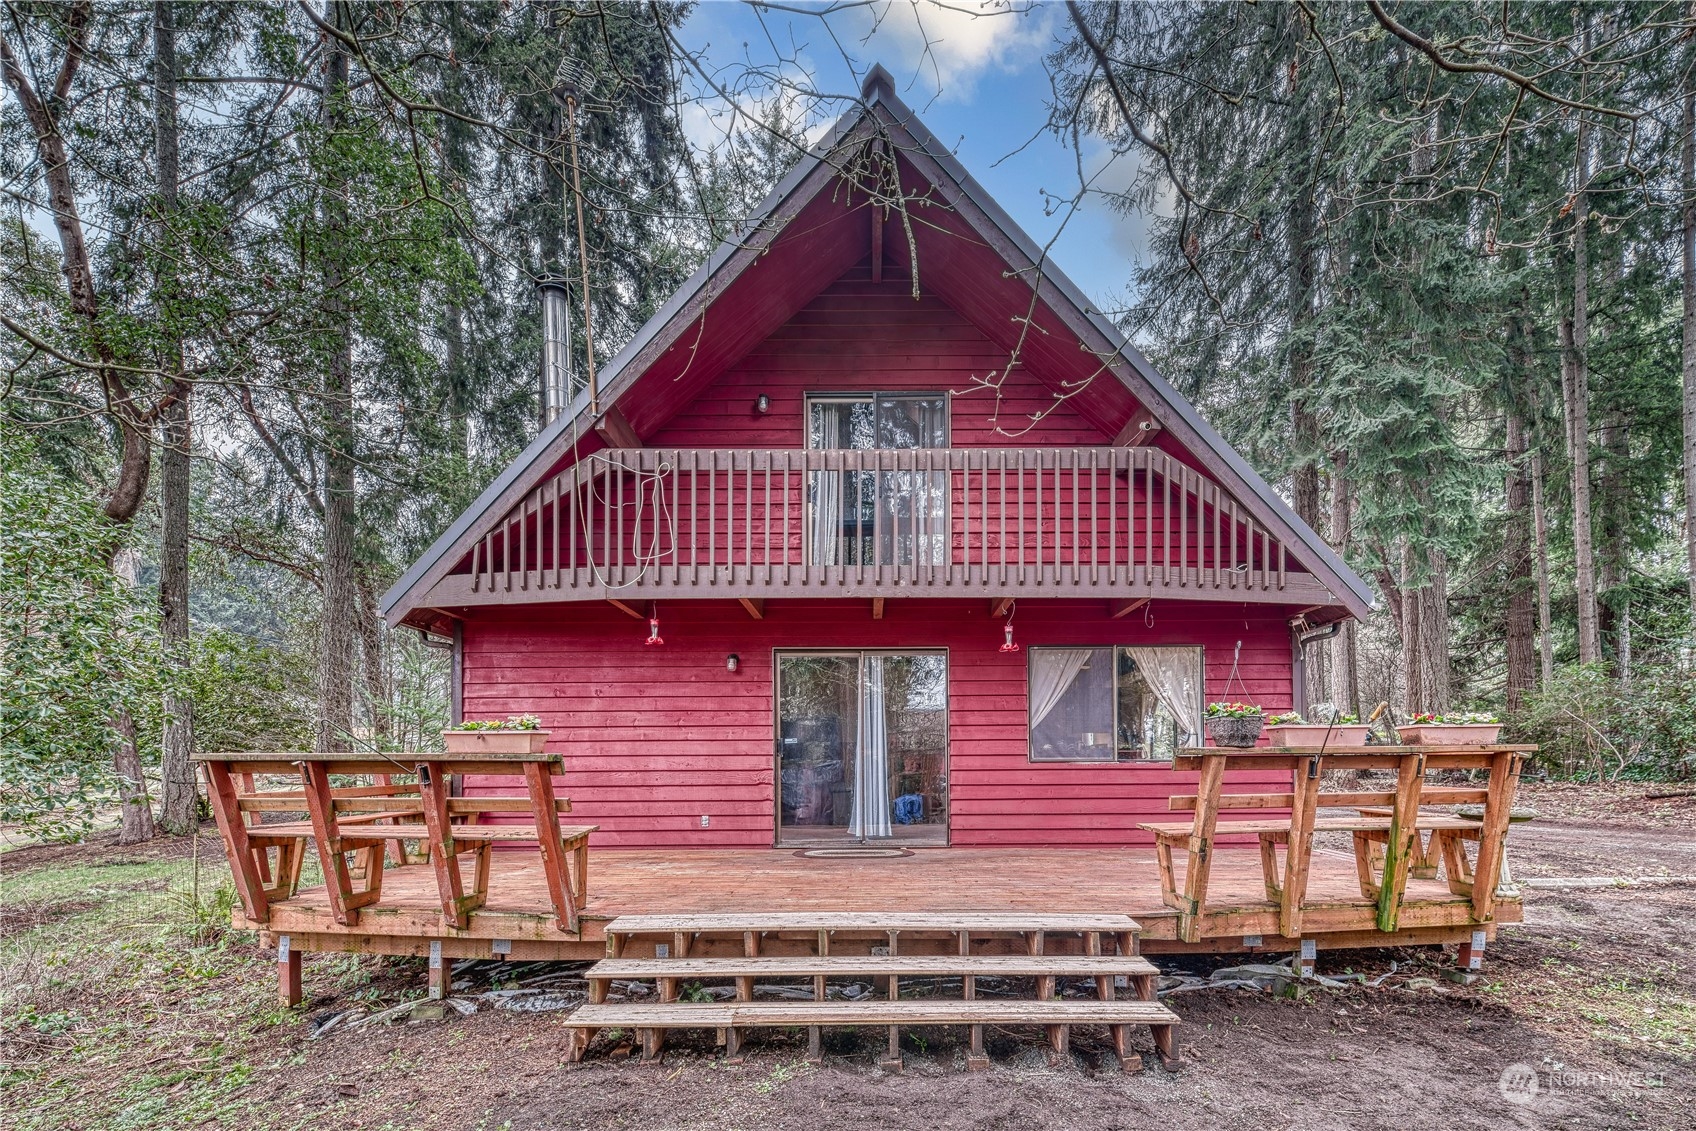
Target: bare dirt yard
(124, 1002)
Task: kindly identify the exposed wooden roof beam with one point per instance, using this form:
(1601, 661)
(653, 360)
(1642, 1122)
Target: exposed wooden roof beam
(616, 430)
(877, 246)
(627, 608)
(1117, 609)
(1140, 429)
(998, 606)
(756, 606)
(877, 608)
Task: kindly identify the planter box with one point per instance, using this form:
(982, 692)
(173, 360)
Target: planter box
(1313, 734)
(1449, 734)
(494, 741)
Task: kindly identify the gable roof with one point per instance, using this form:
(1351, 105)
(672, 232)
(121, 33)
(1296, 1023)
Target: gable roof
(987, 231)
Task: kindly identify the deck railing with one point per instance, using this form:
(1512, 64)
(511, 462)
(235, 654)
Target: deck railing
(1059, 521)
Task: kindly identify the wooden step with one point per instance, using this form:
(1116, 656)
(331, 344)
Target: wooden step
(872, 1011)
(836, 966)
(987, 922)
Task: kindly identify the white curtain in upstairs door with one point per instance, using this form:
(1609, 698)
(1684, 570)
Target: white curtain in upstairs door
(826, 533)
(1174, 675)
(1052, 672)
(870, 817)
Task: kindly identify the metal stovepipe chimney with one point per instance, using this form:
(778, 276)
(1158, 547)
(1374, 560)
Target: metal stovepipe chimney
(557, 378)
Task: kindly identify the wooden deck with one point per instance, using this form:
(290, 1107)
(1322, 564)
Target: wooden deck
(517, 919)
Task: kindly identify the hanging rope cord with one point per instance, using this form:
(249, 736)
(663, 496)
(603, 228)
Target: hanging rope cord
(647, 483)
(1235, 676)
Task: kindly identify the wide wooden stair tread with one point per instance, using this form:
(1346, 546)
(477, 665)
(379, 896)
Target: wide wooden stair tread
(870, 1011)
(949, 921)
(669, 964)
(876, 965)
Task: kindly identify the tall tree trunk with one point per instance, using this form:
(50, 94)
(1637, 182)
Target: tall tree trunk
(338, 624)
(1304, 425)
(132, 783)
(178, 795)
(1521, 623)
(459, 408)
(1345, 678)
(1540, 535)
(375, 664)
(1413, 663)
(1688, 216)
(1576, 346)
(136, 809)
(1434, 680)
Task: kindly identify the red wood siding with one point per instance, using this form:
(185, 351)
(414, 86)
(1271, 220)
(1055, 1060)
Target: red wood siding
(655, 737)
(860, 336)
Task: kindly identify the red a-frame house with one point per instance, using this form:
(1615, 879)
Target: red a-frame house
(857, 454)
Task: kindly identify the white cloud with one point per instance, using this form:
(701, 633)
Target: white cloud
(943, 49)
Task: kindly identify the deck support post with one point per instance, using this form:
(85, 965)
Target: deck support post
(288, 973)
(1470, 954)
(441, 969)
(892, 1062)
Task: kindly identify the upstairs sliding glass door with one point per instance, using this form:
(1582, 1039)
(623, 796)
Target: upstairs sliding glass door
(862, 748)
(866, 516)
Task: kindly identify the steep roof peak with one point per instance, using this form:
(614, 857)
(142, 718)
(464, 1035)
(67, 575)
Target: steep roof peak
(988, 227)
(879, 85)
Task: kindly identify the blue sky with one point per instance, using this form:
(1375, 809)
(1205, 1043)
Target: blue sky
(980, 87)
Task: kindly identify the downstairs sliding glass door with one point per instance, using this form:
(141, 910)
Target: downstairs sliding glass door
(862, 748)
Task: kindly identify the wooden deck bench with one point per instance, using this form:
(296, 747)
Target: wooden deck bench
(1371, 836)
(362, 821)
(1386, 828)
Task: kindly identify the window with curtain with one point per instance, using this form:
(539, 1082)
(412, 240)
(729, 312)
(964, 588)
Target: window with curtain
(894, 517)
(1114, 704)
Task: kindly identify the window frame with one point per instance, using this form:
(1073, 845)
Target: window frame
(1115, 650)
(859, 397)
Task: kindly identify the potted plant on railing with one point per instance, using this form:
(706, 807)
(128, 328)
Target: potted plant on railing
(1465, 728)
(1234, 724)
(1290, 729)
(515, 734)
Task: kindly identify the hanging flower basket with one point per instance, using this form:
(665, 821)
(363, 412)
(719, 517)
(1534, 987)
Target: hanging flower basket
(520, 734)
(1234, 724)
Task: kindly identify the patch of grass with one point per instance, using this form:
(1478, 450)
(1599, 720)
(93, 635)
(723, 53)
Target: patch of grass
(1630, 1007)
(139, 1005)
(780, 1075)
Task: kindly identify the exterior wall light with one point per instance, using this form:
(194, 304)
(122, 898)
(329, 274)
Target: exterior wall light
(762, 404)
(732, 662)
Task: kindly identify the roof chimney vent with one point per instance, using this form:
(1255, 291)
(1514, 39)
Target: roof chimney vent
(556, 348)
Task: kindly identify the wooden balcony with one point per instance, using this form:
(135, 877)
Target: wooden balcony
(631, 524)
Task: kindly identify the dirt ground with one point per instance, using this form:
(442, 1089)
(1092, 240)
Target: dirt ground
(123, 1005)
